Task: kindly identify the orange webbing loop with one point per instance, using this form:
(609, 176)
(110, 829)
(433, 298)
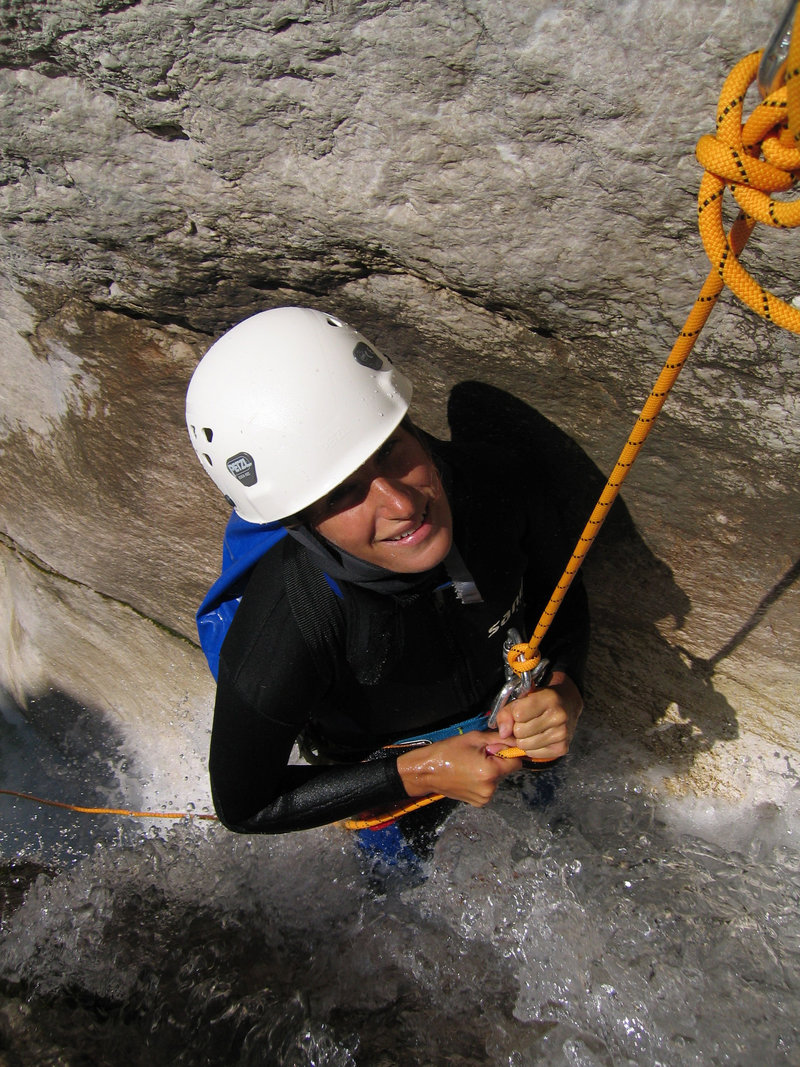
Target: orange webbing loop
(731, 160)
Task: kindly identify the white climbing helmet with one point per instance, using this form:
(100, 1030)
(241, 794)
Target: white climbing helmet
(285, 405)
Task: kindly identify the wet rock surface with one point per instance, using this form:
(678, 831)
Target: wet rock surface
(501, 192)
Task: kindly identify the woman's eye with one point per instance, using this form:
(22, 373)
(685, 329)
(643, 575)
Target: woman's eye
(337, 496)
(386, 449)
(343, 496)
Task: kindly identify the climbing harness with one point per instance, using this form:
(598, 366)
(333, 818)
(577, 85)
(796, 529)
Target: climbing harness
(514, 686)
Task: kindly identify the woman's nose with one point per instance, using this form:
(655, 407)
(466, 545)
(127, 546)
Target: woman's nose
(392, 495)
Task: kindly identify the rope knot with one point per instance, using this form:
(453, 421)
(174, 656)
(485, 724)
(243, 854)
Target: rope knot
(523, 658)
(754, 159)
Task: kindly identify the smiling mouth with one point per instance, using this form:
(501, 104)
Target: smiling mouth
(410, 533)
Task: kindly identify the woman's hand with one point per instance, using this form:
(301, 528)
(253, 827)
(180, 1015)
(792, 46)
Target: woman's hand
(543, 723)
(461, 767)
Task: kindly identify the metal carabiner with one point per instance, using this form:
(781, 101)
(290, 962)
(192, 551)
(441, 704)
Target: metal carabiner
(515, 685)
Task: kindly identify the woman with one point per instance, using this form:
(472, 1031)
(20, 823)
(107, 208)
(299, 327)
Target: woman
(418, 553)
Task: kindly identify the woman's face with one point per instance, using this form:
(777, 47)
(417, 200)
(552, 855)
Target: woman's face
(392, 511)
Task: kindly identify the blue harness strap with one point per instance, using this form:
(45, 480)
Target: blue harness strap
(478, 722)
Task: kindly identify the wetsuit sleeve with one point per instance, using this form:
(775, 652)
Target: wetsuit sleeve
(566, 643)
(265, 694)
(255, 790)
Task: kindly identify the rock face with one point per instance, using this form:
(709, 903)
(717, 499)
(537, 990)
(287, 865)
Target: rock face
(491, 190)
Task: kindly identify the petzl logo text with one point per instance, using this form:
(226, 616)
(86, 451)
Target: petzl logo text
(242, 466)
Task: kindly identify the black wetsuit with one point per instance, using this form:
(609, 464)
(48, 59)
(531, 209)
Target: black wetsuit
(401, 662)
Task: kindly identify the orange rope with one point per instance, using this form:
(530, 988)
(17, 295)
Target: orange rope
(377, 822)
(106, 811)
(731, 160)
(792, 82)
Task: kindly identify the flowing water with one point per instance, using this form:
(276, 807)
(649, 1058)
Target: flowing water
(575, 921)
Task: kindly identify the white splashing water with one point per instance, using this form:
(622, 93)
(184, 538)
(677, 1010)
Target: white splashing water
(572, 922)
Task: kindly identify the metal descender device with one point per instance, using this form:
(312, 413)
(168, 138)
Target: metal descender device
(515, 685)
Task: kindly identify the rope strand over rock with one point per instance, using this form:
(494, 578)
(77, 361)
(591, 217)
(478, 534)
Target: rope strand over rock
(731, 159)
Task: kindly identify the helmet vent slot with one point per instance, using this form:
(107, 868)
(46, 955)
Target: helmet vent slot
(209, 434)
(207, 458)
(334, 322)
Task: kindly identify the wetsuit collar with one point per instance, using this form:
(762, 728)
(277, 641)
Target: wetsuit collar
(341, 566)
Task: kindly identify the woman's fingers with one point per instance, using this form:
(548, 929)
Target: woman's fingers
(543, 722)
(461, 767)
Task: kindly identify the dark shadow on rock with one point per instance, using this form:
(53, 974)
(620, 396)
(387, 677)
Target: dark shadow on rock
(634, 674)
(706, 666)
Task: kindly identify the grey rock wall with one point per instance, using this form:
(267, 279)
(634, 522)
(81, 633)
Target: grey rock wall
(491, 189)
